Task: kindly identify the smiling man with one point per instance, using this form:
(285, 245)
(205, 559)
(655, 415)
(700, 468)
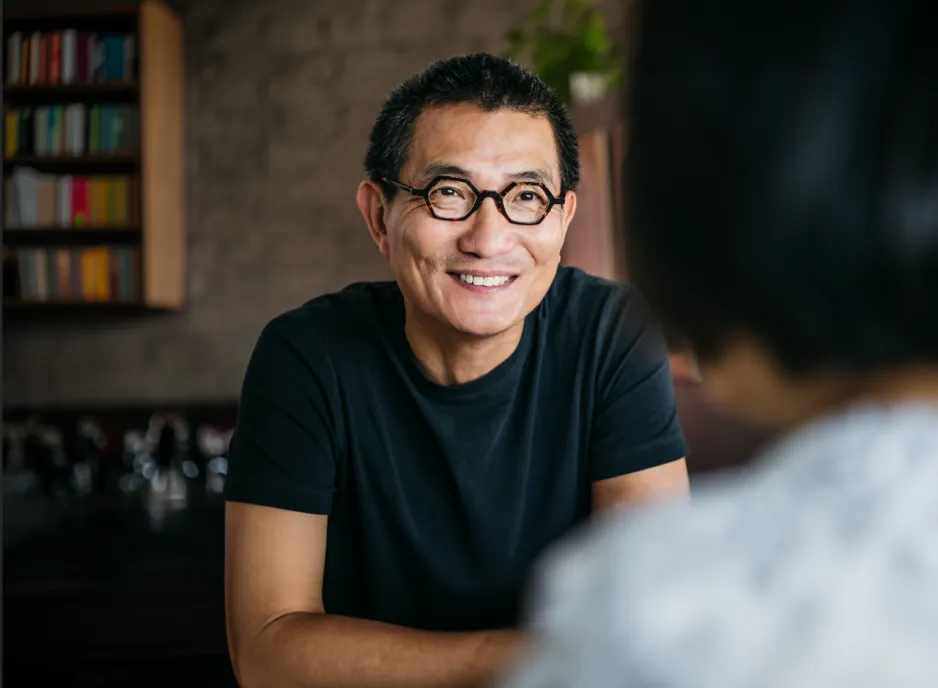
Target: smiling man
(406, 450)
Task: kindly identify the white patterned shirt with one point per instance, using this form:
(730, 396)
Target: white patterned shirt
(816, 566)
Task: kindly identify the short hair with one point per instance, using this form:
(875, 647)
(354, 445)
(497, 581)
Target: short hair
(782, 178)
(480, 79)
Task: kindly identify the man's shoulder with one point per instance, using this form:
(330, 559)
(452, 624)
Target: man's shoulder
(339, 313)
(574, 286)
(587, 303)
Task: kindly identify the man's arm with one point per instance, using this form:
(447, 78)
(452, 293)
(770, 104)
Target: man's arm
(637, 448)
(659, 482)
(279, 634)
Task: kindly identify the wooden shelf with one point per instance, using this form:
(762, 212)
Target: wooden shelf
(67, 12)
(117, 91)
(75, 164)
(71, 236)
(32, 14)
(21, 309)
(158, 235)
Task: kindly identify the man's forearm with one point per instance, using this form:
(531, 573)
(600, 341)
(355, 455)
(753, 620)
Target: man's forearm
(308, 649)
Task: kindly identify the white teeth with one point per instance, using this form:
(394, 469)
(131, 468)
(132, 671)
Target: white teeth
(485, 281)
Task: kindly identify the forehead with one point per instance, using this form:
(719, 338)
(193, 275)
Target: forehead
(490, 145)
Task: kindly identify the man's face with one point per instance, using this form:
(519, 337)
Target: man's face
(439, 264)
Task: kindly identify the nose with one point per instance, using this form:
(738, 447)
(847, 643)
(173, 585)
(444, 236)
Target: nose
(488, 233)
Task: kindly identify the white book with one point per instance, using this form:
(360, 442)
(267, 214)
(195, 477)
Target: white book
(69, 55)
(26, 183)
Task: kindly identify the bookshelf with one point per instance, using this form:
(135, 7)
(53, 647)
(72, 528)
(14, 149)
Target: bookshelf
(93, 192)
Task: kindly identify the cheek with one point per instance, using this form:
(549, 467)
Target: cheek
(545, 243)
(416, 240)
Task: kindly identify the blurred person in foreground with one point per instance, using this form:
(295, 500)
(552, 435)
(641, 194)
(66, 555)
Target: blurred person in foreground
(784, 217)
(406, 449)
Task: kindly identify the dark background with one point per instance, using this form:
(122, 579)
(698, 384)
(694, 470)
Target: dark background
(121, 586)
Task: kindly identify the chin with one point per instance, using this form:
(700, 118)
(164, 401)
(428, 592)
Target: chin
(483, 327)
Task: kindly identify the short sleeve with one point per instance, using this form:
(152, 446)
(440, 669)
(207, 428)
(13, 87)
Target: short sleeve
(635, 422)
(285, 445)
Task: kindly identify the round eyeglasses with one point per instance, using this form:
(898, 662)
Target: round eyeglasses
(454, 199)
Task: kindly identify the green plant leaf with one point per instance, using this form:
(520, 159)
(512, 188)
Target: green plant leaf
(559, 37)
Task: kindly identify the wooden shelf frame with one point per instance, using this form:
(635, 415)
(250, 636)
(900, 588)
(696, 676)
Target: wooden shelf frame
(71, 236)
(160, 231)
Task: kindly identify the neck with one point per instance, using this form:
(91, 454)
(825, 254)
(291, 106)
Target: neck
(453, 358)
(910, 385)
(918, 384)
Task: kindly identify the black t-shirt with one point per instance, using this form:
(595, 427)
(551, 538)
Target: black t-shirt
(440, 498)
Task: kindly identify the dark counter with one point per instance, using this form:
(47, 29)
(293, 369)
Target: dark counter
(98, 593)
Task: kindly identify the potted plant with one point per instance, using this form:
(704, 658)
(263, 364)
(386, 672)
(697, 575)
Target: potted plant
(567, 44)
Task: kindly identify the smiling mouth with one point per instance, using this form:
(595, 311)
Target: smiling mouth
(482, 282)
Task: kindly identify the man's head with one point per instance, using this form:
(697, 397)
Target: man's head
(783, 190)
(472, 262)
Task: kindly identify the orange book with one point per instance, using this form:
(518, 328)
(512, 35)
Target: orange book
(88, 282)
(63, 263)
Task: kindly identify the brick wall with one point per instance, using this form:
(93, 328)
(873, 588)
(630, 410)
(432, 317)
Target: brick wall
(280, 96)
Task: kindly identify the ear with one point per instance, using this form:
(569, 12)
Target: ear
(370, 199)
(569, 210)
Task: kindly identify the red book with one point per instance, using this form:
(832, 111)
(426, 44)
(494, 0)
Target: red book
(55, 57)
(81, 205)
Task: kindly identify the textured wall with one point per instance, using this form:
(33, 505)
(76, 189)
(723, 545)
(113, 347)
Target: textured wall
(280, 96)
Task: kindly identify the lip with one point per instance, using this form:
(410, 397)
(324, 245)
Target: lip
(483, 273)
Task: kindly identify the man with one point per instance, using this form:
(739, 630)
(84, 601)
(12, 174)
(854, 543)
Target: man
(406, 450)
(784, 219)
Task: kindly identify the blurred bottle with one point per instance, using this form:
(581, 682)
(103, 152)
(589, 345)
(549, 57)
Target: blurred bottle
(44, 454)
(213, 445)
(87, 468)
(167, 489)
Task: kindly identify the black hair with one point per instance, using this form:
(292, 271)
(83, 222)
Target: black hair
(782, 178)
(481, 79)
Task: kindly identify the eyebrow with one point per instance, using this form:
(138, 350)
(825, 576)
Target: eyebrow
(435, 169)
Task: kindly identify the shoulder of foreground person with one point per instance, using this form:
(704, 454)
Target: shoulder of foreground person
(825, 543)
(658, 595)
